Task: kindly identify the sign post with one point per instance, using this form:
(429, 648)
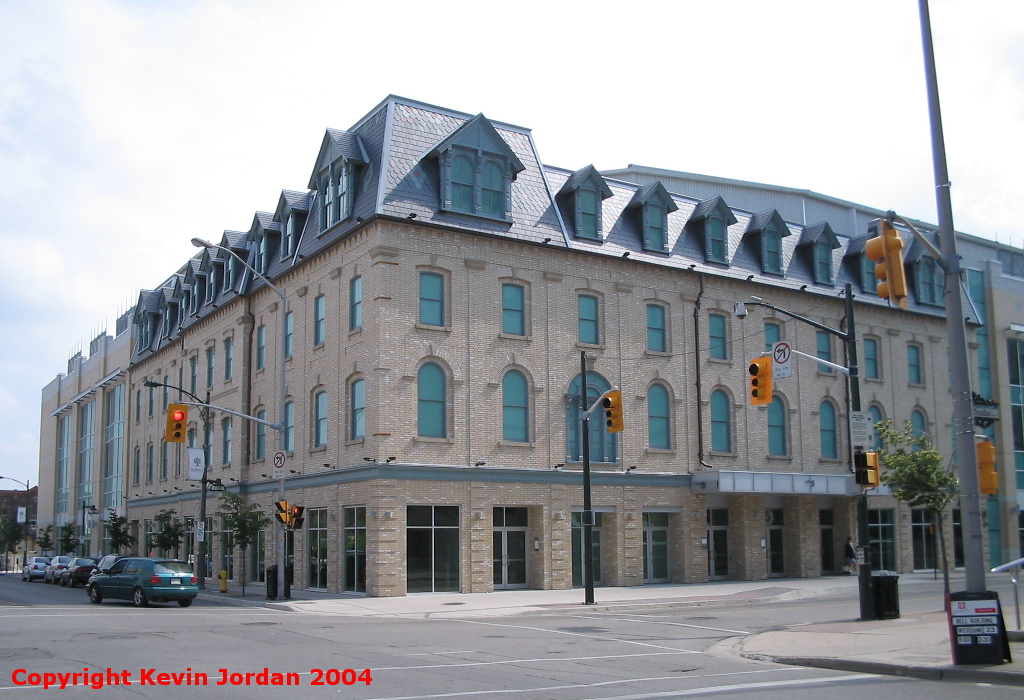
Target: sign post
(782, 360)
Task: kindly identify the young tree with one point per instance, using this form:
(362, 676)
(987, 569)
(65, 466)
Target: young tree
(169, 534)
(9, 534)
(67, 538)
(917, 477)
(119, 531)
(244, 522)
(44, 540)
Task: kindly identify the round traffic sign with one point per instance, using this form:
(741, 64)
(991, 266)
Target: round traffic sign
(279, 459)
(782, 352)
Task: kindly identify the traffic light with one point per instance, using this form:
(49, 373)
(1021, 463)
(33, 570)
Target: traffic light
(296, 517)
(988, 479)
(866, 469)
(760, 381)
(283, 514)
(886, 251)
(177, 419)
(612, 403)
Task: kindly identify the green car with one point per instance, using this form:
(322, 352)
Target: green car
(143, 580)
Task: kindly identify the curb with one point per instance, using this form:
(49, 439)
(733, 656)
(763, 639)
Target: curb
(928, 673)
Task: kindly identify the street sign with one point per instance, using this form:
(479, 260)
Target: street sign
(196, 463)
(279, 461)
(200, 531)
(782, 360)
(22, 514)
(977, 630)
(862, 430)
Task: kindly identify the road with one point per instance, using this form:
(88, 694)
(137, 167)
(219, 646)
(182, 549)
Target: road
(575, 654)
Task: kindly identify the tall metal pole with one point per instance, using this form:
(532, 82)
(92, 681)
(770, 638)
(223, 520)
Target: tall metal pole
(959, 370)
(588, 509)
(201, 548)
(282, 531)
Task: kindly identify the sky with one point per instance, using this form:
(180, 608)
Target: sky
(127, 128)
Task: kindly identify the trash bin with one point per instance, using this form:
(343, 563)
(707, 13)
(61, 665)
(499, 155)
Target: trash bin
(272, 582)
(886, 595)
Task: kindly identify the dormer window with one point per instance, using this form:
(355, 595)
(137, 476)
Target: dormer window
(492, 191)
(868, 281)
(211, 286)
(462, 184)
(770, 229)
(654, 203)
(261, 255)
(771, 251)
(710, 221)
(714, 238)
(822, 262)
(287, 235)
(655, 225)
(930, 282)
(336, 191)
(580, 200)
(145, 332)
(819, 241)
(586, 201)
(229, 275)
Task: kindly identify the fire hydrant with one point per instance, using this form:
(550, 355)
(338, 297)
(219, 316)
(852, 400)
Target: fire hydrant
(223, 581)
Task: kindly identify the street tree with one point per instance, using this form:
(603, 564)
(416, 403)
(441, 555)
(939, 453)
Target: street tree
(916, 475)
(243, 521)
(67, 538)
(9, 534)
(119, 532)
(169, 533)
(44, 540)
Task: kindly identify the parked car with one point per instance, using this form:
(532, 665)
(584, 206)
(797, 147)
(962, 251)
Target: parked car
(35, 568)
(143, 580)
(108, 561)
(53, 569)
(77, 571)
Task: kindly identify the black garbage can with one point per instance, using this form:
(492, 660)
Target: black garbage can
(272, 582)
(886, 594)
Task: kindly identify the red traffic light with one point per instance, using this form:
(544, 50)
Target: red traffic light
(178, 416)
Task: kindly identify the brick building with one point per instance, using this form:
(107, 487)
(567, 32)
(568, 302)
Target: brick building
(441, 284)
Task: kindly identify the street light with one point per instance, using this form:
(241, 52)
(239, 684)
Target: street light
(24, 555)
(91, 510)
(281, 531)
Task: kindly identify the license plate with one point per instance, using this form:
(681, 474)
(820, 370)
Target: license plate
(175, 581)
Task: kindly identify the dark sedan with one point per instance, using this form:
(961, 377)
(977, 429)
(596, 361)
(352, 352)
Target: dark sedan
(77, 571)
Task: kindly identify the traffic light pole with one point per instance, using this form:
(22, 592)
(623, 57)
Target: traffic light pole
(588, 509)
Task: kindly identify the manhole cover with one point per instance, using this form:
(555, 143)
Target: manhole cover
(259, 624)
(118, 636)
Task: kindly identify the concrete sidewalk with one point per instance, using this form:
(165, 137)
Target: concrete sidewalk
(915, 645)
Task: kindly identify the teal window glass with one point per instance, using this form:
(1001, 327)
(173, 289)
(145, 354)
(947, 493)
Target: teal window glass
(1015, 360)
(431, 299)
(330, 212)
(827, 431)
(355, 303)
(976, 286)
(868, 281)
(931, 282)
(261, 436)
(289, 426)
(513, 311)
(261, 347)
(210, 366)
(657, 339)
(714, 233)
(225, 440)
(772, 335)
(658, 428)
(654, 227)
(603, 445)
(777, 428)
(871, 359)
(589, 223)
(319, 319)
(491, 195)
(320, 419)
(823, 262)
(876, 417)
(193, 370)
(824, 348)
(914, 364)
(357, 420)
(514, 408)
(589, 328)
(229, 358)
(289, 333)
(771, 251)
(462, 184)
(721, 422)
(717, 339)
(287, 235)
(431, 404)
(917, 423)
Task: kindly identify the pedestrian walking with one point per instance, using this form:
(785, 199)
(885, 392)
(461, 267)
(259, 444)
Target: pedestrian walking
(851, 556)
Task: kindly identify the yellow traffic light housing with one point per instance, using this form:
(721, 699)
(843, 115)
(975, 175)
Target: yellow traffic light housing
(283, 514)
(886, 251)
(177, 420)
(988, 478)
(866, 469)
(760, 381)
(612, 404)
(296, 517)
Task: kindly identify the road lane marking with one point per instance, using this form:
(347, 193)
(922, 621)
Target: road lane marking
(657, 622)
(744, 687)
(577, 634)
(527, 661)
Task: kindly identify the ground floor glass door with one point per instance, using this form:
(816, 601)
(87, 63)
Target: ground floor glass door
(826, 521)
(718, 543)
(774, 518)
(655, 547)
(432, 551)
(882, 539)
(923, 530)
(317, 537)
(355, 549)
(509, 547)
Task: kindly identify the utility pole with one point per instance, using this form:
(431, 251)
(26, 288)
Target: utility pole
(588, 511)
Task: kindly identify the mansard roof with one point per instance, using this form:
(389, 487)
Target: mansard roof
(758, 222)
(817, 232)
(715, 204)
(584, 175)
(291, 200)
(263, 222)
(337, 144)
(652, 191)
(480, 134)
(913, 250)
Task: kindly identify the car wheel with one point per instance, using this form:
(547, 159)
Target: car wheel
(185, 602)
(63, 582)
(139, 598)
(25, 578)
(94, 594)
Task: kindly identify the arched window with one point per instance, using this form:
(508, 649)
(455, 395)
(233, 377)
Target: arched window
(918, 423)
(261, 435)
(658, 423)
(827, 431)
(462, 184)
(514, 408)
(721, 422)
(320, 419)
(491, 194)
(357, 419)
(777, 427)
(603, 445)
(431, 404)
(876, 417)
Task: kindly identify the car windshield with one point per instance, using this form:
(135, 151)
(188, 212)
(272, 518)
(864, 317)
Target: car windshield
(40, 560)
(85, 562)
(61, 560)
(171, 567)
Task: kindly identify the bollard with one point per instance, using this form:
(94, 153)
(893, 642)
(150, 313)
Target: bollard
(223, 581)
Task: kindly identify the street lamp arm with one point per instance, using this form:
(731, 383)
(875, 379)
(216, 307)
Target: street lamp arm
(16, 481)
(892, 216)
(200, 243)
(198, 400)
(254, 419)
(798, 317)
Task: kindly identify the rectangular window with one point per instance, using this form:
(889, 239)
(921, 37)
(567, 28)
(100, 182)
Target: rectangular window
(164, 449)
(113, 461)
(976, 286)
(868, 281)
(355, 549)
(225, 437)
(871, 359)
(289, 333)
(317, 535)
(513, 311)
(149, 463)
(882, 539)
(289, 427)
(261, 436)
(771, 258)
(138, 404)
(355, 303)
(357, 427)
(261, 347)
(717, 339)
(431, 299)
(432, 548)
(210, 366)
(823, 262)
(1015, 360)
(714, 227)
(166, 390)
(229, 358)
(589, 220)
(657, 338)
(824, 348)
(86, 437)
(137, 473)
(149, 411)
(287, 235)
(589, 328)
(63, 463)
(654, 227)
(320, 419)
(772, 335)
(914, 373)
(319, 320)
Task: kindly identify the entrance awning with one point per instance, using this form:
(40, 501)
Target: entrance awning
(728, 481)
